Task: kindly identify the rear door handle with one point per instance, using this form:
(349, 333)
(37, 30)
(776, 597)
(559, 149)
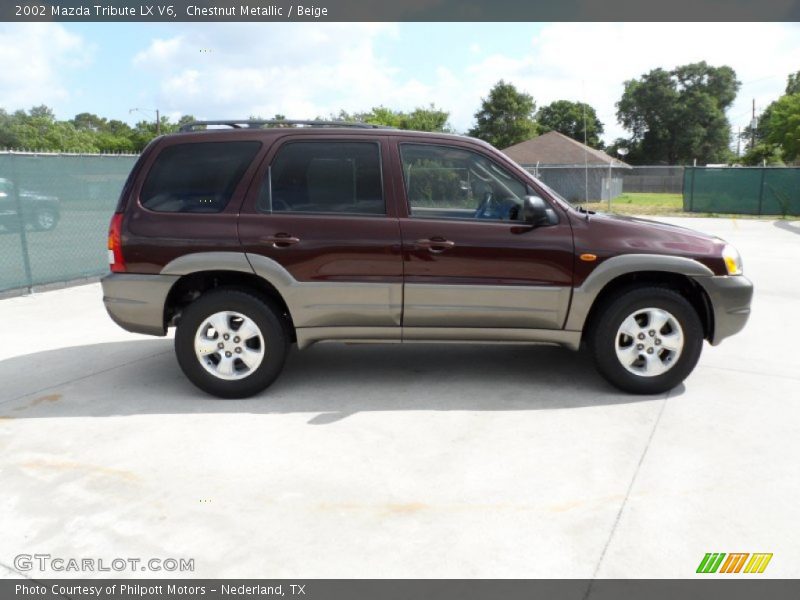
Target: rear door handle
(281, 240)
(436, 245)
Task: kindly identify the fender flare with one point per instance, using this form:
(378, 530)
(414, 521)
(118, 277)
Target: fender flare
(208, 261)
(584, 296)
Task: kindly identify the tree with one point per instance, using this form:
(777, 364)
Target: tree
(420, 119)
(506, 117)
(677, 116)
(793, 84)
(427, 119)
(38, 129)
(568, 118)
(42, 112)
(783, 126)
(763, 153)
(89, 121)
(775, 136)
(7, 137)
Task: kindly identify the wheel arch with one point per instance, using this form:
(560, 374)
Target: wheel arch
(627, 271)
(682, 284)
(199, 273)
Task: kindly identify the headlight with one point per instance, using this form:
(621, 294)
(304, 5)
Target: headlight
(733, 261)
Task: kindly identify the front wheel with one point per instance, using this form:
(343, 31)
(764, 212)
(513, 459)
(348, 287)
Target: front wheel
(231, 344)
(647, 340)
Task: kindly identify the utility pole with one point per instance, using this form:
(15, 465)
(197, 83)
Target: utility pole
(739, 141)
(753, 127)
(150, 110)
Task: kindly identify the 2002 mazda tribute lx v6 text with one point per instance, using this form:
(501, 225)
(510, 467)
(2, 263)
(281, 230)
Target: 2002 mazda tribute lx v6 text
(249, 237)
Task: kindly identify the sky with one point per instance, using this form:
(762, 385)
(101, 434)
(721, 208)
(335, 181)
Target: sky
(304, 70)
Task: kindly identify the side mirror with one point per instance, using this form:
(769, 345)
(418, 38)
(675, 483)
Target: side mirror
(536, 212)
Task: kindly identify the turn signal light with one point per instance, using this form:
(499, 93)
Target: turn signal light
(732, 259)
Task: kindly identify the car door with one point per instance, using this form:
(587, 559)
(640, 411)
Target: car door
(319, 225)
(469, 259)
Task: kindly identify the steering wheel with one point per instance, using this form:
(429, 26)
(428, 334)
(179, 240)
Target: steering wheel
(486, 208)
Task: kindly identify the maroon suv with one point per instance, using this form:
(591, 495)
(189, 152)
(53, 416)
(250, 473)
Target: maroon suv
(248, 237)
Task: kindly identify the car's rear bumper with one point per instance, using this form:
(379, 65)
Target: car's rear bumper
(136, 302)
(730, 299)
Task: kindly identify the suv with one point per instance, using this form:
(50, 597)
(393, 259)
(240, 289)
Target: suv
(253, 237)
(38, 210)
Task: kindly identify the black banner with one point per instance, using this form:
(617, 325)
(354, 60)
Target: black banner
(715, 586)
(393, 10)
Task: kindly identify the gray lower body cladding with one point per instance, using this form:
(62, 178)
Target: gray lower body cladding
(730, 298)
(136, 302)
(365, 312)
(375, 312)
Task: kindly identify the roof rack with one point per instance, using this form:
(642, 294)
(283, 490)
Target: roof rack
(258, 124)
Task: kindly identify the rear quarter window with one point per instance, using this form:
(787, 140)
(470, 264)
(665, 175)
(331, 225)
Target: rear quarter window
(336, 177)
(196, 178)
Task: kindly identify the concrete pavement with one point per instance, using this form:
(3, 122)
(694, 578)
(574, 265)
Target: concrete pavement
(430, 460)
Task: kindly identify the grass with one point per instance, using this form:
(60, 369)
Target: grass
(647, 204)
(667, 204)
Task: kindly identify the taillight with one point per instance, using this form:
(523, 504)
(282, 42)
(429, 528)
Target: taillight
(115, 258)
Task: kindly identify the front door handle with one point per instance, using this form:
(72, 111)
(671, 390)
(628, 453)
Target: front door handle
(436, 245)
(281, 240)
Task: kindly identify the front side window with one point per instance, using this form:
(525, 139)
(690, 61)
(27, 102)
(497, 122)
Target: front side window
(325, 177)
(196, 178)
(452, 183)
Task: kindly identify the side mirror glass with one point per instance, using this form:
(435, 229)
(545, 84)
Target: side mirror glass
(537, 213)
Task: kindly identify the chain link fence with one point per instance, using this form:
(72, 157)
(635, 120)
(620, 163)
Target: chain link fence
(653, 180)
(55, 208)
(581, 183)
(54, 214)
(742, 190)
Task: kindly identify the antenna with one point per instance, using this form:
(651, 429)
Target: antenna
(585, 159)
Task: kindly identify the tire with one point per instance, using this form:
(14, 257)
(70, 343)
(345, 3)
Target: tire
(44, 219)
(646, 340)
(235, 370)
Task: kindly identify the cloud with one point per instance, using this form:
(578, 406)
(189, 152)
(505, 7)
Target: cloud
(159, 52)
(37, 58)
(300, 70)
(590, 62)
(306, 70)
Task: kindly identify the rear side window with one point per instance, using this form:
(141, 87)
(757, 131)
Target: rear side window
(325, 177)
(196, 178)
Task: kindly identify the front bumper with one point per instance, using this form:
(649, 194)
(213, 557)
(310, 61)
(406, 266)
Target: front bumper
(136, 302)
(730, 300)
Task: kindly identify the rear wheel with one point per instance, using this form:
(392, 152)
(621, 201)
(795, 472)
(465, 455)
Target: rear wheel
(230, 343)
(646, 340)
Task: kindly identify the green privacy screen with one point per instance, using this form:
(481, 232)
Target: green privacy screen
(746, 191)
(54, 214)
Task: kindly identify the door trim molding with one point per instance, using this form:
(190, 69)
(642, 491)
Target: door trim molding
(498, 306)
(306, 336)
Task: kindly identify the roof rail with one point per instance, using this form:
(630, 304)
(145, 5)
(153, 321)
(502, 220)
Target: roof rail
(258, 124)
